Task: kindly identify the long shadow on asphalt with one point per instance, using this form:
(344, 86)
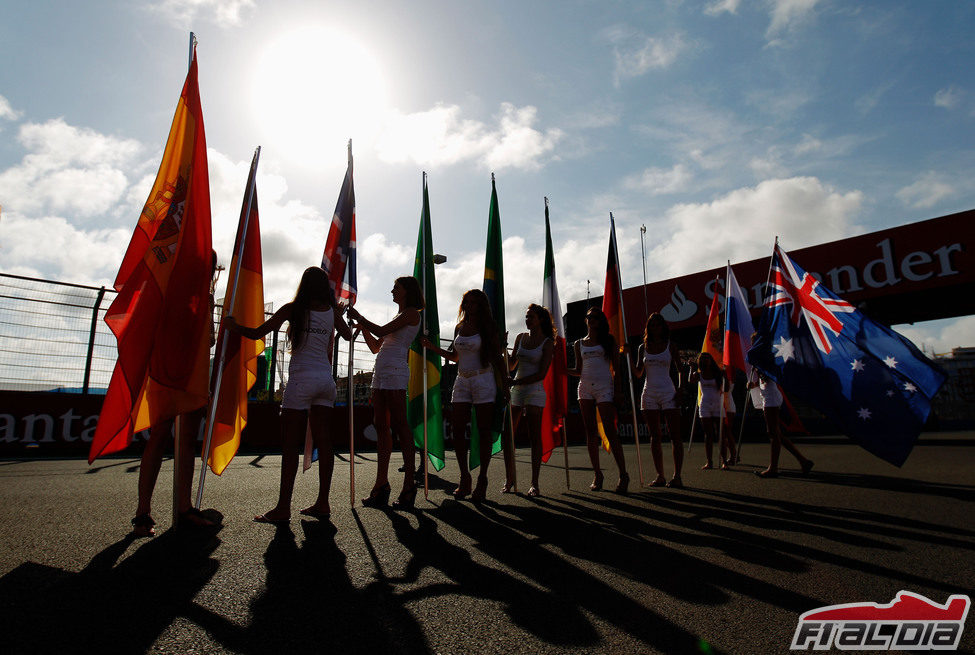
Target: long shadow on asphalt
(309, 604)
(107, 608)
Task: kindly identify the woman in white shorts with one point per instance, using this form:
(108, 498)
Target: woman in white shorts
(771, 402)
(711, 382)
(391, 343)
(595, 363)
(532, 356)
(312, 320)
(480, 368)
(657, 357)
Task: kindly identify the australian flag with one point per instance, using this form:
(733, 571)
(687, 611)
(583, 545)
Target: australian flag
(874, 384)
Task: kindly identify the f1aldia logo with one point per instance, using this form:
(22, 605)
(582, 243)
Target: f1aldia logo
(909, 622)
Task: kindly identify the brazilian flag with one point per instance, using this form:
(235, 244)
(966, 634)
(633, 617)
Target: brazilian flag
(494, 289)
(430, 325)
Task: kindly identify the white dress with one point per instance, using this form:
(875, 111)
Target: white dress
(310, 370)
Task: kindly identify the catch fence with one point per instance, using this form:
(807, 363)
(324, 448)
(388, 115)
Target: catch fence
(53, 337)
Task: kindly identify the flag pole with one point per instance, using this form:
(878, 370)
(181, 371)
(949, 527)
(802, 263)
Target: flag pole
(565, 433)
(768, 276)
(350, 388)
(423, 274)
(228, 308)
(629, 360)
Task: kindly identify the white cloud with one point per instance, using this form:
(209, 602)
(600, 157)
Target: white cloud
(636, 53)
(869, 101)
(743, 224)
(721, 6)
(949, 97)
(941, 336)
(441, 136)
(377, 250)
(225, 13)
(657, 181)
(67, 169)
(927, 191)
(788, 14)
(6, 111)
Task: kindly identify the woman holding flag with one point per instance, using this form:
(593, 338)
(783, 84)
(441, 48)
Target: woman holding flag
(712, 382)
(313, 319)
(477, 351)
(657, 357)
(391, 342)
(595, 363)
(532, 355)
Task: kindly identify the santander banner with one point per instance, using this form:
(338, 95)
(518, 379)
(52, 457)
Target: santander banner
(916, 272)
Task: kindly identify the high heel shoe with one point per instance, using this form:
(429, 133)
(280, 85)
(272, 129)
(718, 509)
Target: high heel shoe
(597, 483)
(480, 491)
(378, 497)
(623, 485)
(406, 499)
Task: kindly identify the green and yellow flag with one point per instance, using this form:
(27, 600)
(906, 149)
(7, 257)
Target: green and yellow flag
(494, 290)
(423, 272)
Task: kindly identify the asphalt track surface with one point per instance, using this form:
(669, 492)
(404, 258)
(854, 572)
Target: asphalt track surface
(724, 566)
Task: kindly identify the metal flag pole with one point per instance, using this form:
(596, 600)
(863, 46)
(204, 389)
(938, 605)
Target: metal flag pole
(229, 308)
(423, 314)
(177, 447)
(565, 454)
(511, 432)
(629, 360)
(643, 255)
(350, 387)
(748, 394)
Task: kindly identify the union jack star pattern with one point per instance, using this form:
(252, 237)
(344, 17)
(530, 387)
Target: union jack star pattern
(874, 384)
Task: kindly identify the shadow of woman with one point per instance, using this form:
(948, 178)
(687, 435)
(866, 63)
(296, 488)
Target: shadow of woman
(108, 607)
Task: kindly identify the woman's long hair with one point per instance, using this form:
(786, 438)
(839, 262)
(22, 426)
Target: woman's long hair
(706, 364)
(603, 336)
(312, 289)
(544, 319)
(414, 294)
(665, 332)
(490, 343)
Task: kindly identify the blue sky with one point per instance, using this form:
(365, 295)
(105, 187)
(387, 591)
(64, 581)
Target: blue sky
(717, 123)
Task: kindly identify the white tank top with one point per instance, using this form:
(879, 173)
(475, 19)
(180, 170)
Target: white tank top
(313, 353)
(468, 352)
(595, 366)
(529, 360)
(709, 391)
(657, 369)
(393, 352)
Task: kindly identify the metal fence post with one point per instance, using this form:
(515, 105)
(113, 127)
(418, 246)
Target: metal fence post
(91, 339)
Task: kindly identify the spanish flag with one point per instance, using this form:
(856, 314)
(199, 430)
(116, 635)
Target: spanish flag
(238, 355)
(161, 317)
(713, 333)
(611, 289)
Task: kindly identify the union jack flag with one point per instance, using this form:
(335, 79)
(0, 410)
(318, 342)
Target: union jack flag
(808, 302)
(338, 260)
(867, 379)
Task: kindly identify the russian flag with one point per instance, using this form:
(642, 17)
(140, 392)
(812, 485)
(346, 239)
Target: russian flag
(738, 328)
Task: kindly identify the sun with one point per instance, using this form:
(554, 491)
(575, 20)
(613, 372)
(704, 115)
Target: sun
(315, 88)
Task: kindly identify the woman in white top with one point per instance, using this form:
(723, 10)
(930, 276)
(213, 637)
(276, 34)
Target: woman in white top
(595, 363)
(532, 355)
(771, 403)
(657, 357)
(712, 382)
(480, 370)
(313, 317)
(389, 381)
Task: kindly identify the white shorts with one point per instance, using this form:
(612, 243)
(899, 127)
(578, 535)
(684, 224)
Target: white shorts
(601, 391)
(710, 409)
(657, 399)
(303, 392)
(392, 379)
(477, 389)
(770, 395)
(528, 394)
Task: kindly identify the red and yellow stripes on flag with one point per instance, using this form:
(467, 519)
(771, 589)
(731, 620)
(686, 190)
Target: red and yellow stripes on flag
(556, 380)
(713, 334)
(161, 317)
(239, 354)
(611, 306)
